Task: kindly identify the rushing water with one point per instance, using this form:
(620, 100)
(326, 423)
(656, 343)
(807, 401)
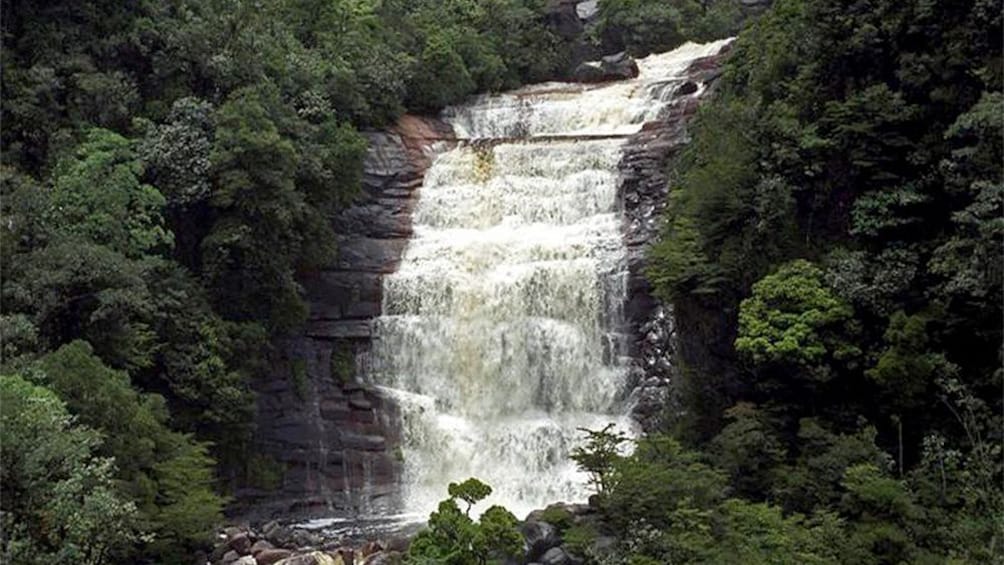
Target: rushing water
(500, 334)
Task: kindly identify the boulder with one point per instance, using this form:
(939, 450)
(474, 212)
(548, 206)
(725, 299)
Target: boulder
(619, 66)
(241, 543)
(588, 72)
(229, 557)
(260, 545)
(369, 548)
(246, 560)
(343, 555)
(385, 558)
(688, 87)
(272, 555)
(558, 556)
(401, 544)
(540, 537)
(312, 558)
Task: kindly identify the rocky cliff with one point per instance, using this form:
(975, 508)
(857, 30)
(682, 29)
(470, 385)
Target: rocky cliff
(644, 187)
(330, 440)
(336, 440)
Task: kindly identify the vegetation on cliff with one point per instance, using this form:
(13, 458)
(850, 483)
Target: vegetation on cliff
(839, 216)
(168, 170)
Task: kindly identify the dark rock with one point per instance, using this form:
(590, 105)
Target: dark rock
(241, 543)
(588, 72)
(688, 87)
(540, 537)
(359, 401)
(612, 67)
(558, 556)
(562, 17)
(369, 548)
(260, 545)
(230, 557)
(312, 558)
(400, 544)
(347, 555)
(270, 556)
(619, 65)
(385, 558)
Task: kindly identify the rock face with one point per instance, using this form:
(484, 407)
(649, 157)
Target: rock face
(330, 441)
(619, 66)
(643, 189)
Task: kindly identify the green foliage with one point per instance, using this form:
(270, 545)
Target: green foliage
(453, 538)
(470, 491)
(658, 479)
(579, 538)
(793, 319)
(598, 455)
(749, 450)
(167, 474)
(78, 289)
(343, 363)
(814, 480)
(59, 500)
(558, 517)
(648, 26)
(97, 196)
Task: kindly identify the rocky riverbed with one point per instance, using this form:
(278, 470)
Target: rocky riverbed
(386, 542)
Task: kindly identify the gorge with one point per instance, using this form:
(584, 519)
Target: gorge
(489, 294)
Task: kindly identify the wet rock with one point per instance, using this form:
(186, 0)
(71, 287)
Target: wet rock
(688, 87)
(619, 66)
(343, 556)
(301, 424)
(400, 544)
(273, 555)
(369, 548)
(241, 543)
(385, 558)
(540, 537)
(558, 556)
(312, 558)
(612, 67)
(260, 545)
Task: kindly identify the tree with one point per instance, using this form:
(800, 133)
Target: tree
(748, 449)
(71, 290)
(167, 474)
(59, 501)
(793, 319)
(453, 538)
(598, 456)
(97, 195)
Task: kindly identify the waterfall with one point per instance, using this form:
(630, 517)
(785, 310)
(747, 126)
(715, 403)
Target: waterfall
(501, 332)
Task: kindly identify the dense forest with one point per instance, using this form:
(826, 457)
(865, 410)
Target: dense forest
(832, 248)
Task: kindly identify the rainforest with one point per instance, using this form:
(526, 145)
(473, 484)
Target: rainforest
(459, 282)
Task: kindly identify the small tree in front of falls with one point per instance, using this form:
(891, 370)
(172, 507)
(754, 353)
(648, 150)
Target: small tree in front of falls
(598, 456)
(453, 538)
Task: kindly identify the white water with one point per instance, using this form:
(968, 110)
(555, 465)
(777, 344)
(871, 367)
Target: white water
(499, 337)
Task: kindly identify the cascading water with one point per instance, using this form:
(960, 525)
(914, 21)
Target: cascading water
(499, 336)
